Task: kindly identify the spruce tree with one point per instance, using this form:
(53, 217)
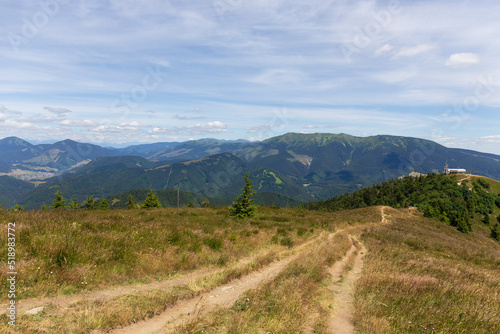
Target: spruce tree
(131, 203)
(18, 208)
(74, 204)
(243, 205)
(90, 203)
(104, 204)
(59, 202)
(151, 200)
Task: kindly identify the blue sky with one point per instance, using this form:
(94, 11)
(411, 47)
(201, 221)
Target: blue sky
(135, 71)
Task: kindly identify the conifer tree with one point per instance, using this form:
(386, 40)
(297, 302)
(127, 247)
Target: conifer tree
(104, 204)
(205, 204)
(74, 204)
(151, 200)
(44, 207)
(131, 203)
(18, 208)
(90, 203)
(243, 205)
(59, 202)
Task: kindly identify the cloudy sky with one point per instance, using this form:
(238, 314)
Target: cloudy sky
(140, 71)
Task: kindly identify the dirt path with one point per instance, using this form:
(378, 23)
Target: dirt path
(223, 296)
(66, 301)
(341, 320)
(382, 213)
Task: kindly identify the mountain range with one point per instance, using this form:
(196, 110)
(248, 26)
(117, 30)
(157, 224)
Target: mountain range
(302, 167)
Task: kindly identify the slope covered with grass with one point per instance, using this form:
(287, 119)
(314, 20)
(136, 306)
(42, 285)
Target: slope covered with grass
(456, 201)
(423, 276)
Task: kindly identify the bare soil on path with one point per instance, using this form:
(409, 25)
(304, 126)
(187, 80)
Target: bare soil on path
(66, 301)
(344, 274)
(114, 292)
(222, 296)
(341, 321)
(343, 287)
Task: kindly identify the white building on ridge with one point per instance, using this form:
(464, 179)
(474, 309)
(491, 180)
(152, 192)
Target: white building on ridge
(448, 170)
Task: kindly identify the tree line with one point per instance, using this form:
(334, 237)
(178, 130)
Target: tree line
(436, 195)
(241, 207)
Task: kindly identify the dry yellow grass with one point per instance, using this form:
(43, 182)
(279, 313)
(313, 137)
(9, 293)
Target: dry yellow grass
(417, 272)
(420, 274)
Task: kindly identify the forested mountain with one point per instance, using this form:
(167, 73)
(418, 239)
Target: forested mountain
(301, 166)
(13, 150)
(56, 158)
(197, 149)
(217, 176)
(12, 190)
(329, 164)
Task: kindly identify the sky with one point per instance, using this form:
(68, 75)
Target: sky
(120, 72)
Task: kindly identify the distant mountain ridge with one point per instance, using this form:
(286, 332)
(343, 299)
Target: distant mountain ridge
(216, 176)
(301, 166)
(56, 157)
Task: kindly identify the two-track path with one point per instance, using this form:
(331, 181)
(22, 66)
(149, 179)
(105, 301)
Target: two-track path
(115, 292)
(222, 296)
(226, 295)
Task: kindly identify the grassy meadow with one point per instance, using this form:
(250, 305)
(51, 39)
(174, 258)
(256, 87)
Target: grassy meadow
(417, 271)
(421, 275)
(69, 252)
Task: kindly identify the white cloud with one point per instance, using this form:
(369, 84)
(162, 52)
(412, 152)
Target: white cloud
(193, 130)
(79, 123)
(411, 51)
(38, 118)
(462, 60)
(240, 64)
(207, 128)
(384, 49)
(57, 111)
(18, 125)
(495, 138)
(133, 124)
(187, 117)
(277, 77)
(263, 128)
(3, 116)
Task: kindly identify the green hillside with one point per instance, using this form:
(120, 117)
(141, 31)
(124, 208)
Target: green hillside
(168, 198)
(333, 164)
(456, 201)
(218, 176)
(12, 189)
(303, 167)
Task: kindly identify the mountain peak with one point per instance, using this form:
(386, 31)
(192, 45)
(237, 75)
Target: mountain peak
(14, 143)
